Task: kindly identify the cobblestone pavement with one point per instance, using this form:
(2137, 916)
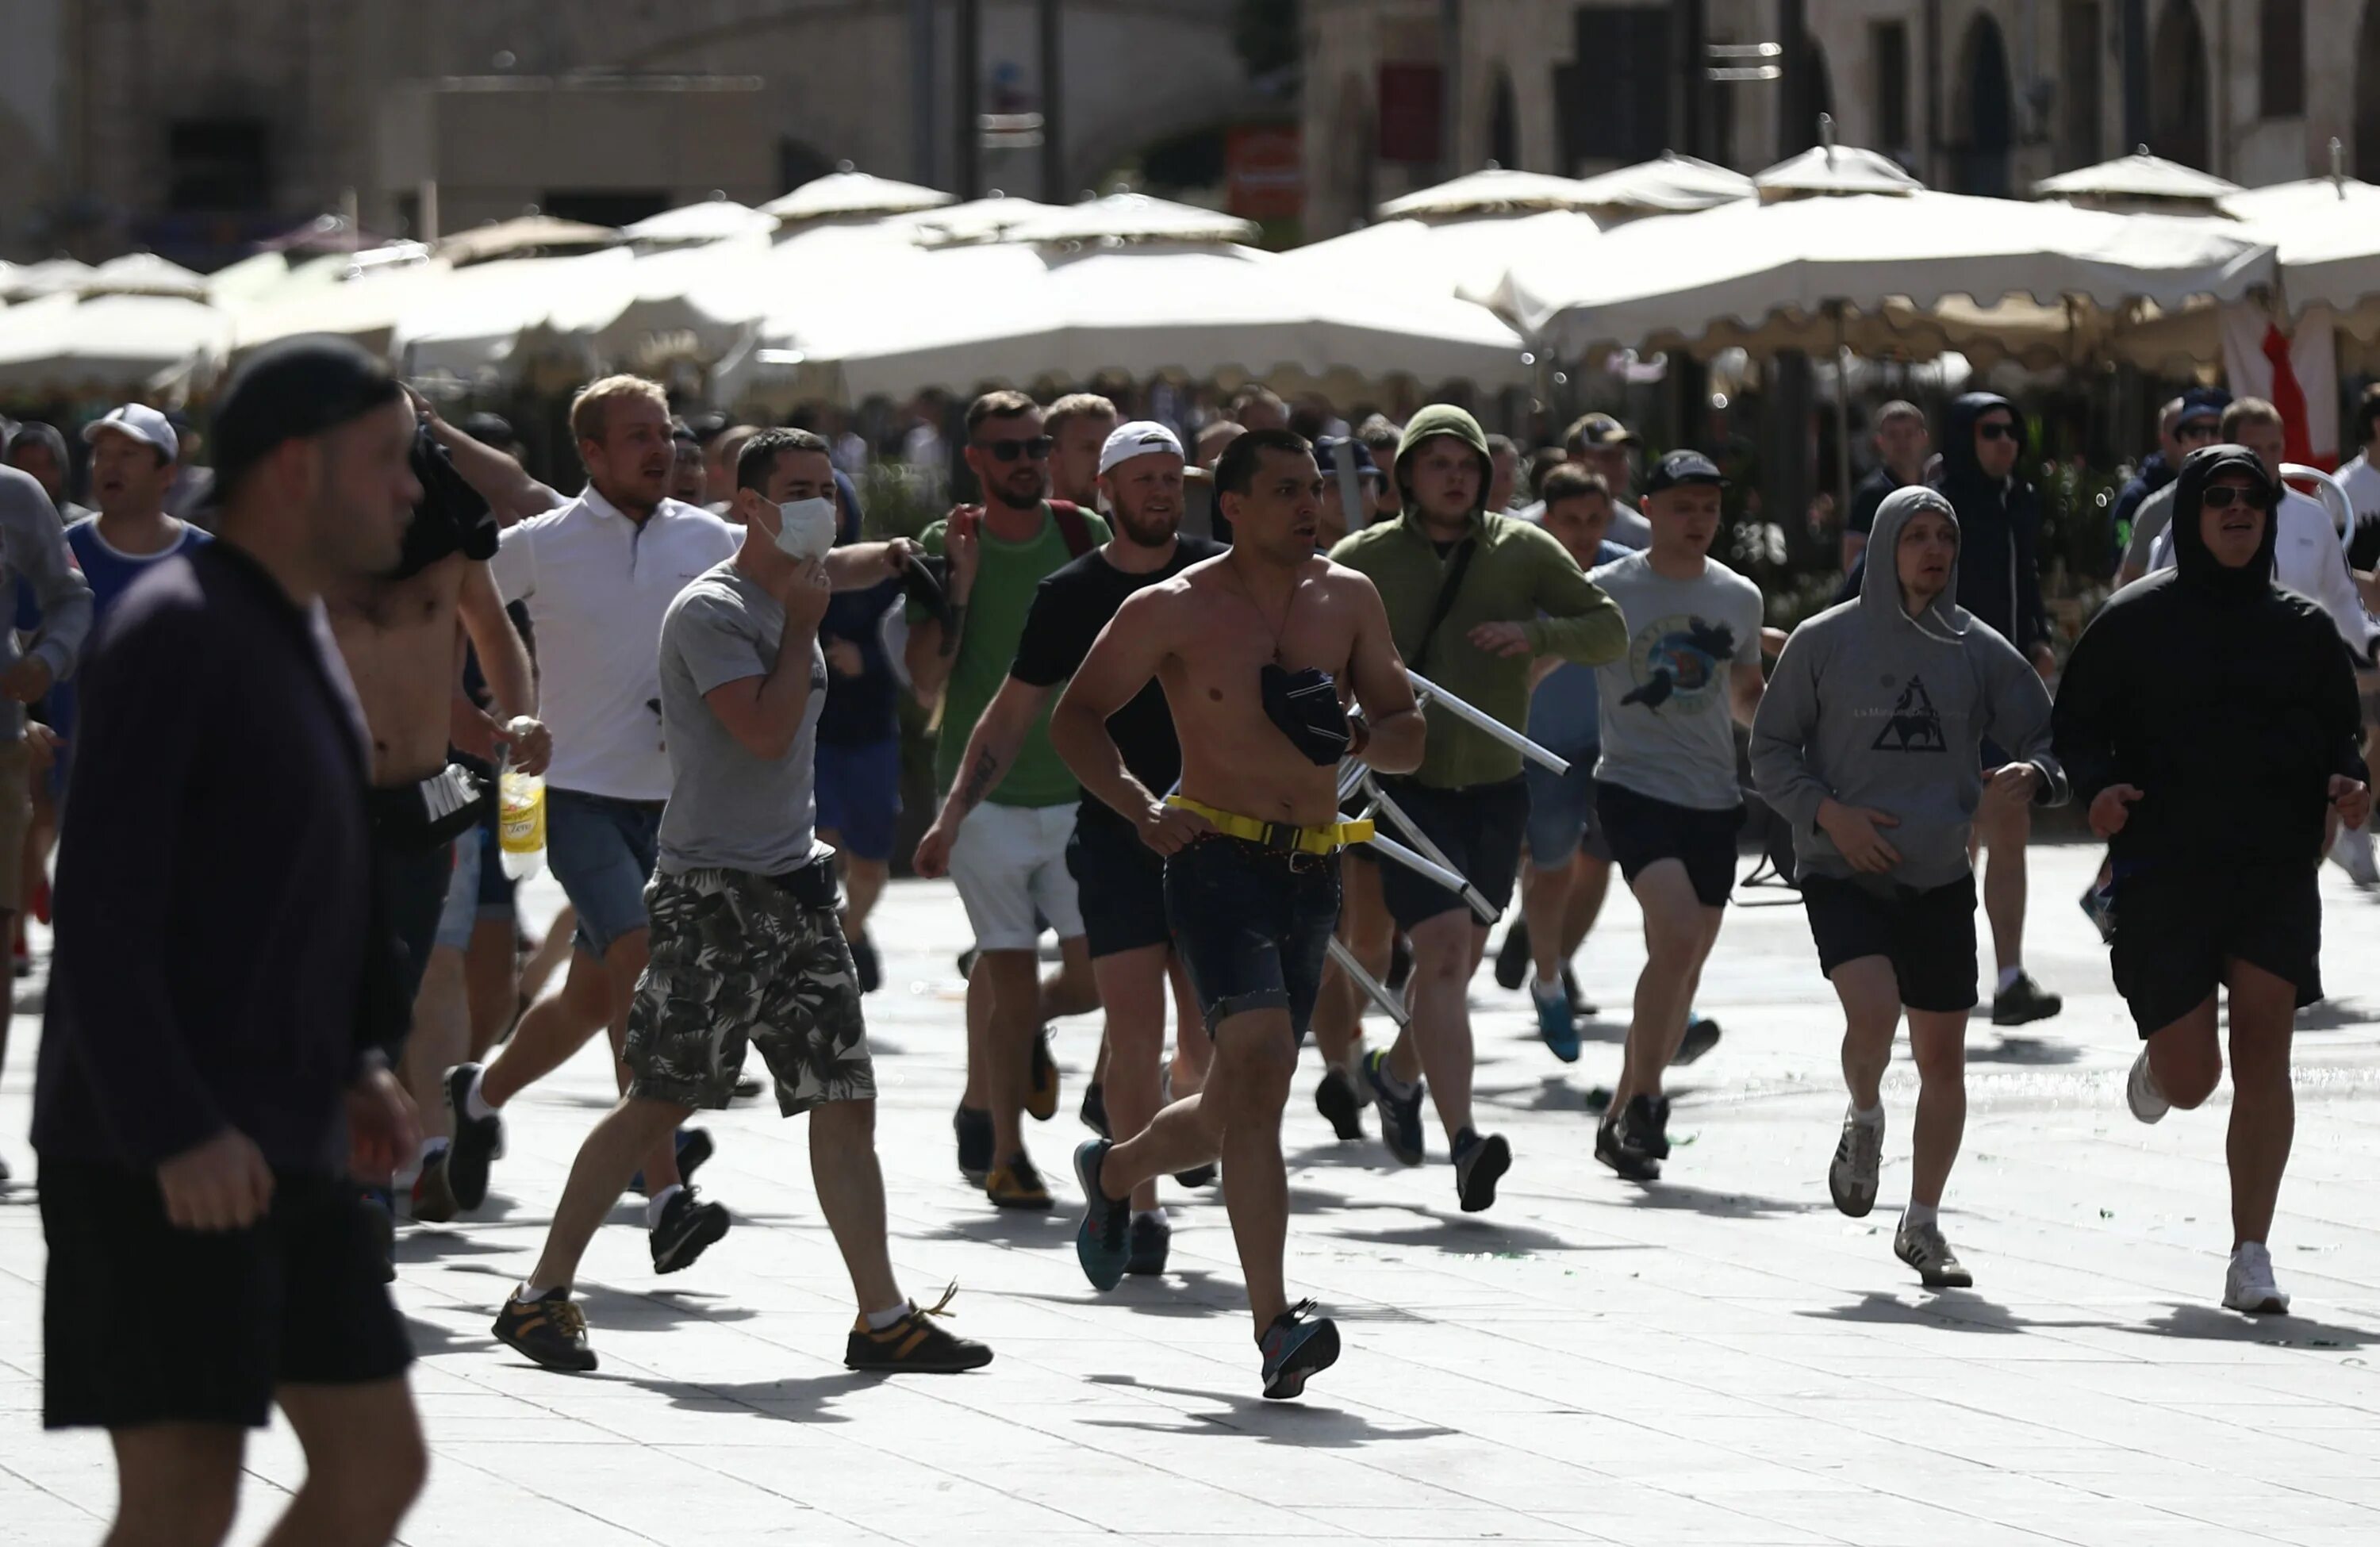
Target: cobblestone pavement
(1721, 1358)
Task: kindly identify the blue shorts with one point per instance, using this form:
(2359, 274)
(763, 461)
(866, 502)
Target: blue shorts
(1562, 813)
(602, 851)
(461, 914)
(859, 797)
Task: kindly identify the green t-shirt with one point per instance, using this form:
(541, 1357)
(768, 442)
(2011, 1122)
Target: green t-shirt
(1006, 579)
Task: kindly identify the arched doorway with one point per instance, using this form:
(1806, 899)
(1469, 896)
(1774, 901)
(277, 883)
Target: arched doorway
(1986, 114)
(1503, 122)
(2367, 95)
(2177, 125)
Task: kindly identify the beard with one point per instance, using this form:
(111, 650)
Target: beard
(1143, 530)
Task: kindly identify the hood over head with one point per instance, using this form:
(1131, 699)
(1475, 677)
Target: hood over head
(1945, 620)
(2198, 566)
(1959, 464)
(1444, 418)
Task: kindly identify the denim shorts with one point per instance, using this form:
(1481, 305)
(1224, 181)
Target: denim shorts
(602, 851)
(859, 797)
(1253, 927)
(1562, 813)
(461, 914)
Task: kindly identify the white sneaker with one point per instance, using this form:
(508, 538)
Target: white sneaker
(2247, 1283)
(1859, 1156)
(2352, 851)
(2141, 1094)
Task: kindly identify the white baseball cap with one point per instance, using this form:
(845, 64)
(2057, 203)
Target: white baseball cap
(142, 423)
(1140, 438)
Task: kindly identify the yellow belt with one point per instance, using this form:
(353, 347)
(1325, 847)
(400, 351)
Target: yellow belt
(1274, 834)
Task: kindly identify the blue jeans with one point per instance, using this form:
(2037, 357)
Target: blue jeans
(602, 851)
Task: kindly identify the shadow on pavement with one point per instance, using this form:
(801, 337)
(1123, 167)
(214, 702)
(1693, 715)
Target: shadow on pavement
(1015, 1228)
(2025, 1050)
(1301, 1424)
(1461, 1235)
(795, 1401)
(2212, 1325)
(2331, 1015)
(430, 1340)
(1950, 1309)
(1176, 1293)
(1718, 1205)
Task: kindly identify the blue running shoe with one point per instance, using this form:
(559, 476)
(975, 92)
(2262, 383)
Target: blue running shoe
(1399, 1115)
(1103, 1244)
(1555, 1023)
(1296, 1348)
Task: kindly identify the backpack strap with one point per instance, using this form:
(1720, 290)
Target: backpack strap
(1072, 527)
(1447, 591)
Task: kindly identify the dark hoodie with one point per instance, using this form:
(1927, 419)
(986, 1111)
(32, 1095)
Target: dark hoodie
(1999, 530)
(2227, 702)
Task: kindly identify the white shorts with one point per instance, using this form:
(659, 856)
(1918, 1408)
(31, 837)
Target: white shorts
(1009, 864)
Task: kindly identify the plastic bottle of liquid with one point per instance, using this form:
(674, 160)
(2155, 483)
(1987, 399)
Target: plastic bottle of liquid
(520, 812)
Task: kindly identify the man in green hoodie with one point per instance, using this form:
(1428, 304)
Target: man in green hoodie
(1473, 598)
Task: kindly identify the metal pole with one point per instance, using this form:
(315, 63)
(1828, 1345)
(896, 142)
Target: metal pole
(1373, 989)
(1053, 96)
(1486, 725)
(921, 90)
(967, 67)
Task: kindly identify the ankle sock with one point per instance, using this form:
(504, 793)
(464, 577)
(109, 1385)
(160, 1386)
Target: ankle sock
(1920, 1213)
(879, 1319)
(2008, 975)
(475, 1106)
(657, 1205)
(1872, 1118)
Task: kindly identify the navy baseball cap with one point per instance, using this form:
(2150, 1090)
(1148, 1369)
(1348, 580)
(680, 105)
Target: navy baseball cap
(1681, 467)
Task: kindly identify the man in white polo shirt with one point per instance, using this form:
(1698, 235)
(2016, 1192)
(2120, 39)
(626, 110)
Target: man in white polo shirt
(597, 575)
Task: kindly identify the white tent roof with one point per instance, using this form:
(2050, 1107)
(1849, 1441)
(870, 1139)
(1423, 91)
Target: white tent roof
(854, 193)
(46, 277)
(1464, 257)
(317, 299)
(107, 343)
(988, 219)
(1131, 217)
(2133, 177)
(1495, 188)
(1835, 169)
(1669, 184)
(714, 220)
(143, 274)
(521, 234)
(2306, 196)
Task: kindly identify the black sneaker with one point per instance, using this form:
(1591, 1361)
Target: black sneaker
(1478, 1164)
(749, 1086)
(1296, 1348)
(1648, 1124)
(2024, 1002)
(1198, 1175)
(1041, 1094)
(1094, 1111)
(1701, 1035)
(694, 1148)
(1340, 1103)
(1621, 1149)
(973, 1126)
(551, 1332)
(913, 1345)
(1152, 1238)
(1579, 1007)
(1513, 956)
(476, 1141)
(1399, 1115)
(1017, 1185)
(1400, 964)
(688, 1227)
(864, 962)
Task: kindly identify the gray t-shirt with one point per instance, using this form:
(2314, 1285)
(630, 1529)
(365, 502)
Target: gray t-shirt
(727, 808)
(1668, 732)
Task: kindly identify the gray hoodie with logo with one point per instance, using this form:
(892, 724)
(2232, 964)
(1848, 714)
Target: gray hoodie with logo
(1879, 708)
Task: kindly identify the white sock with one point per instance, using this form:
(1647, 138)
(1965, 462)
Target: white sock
(1545, 988)
(429, 1148)
(1920, 1213)
(531, 1292)
(655, 1205)
(475, 1106)
(2008, 975)
(1872, 1118)
(879, 1319)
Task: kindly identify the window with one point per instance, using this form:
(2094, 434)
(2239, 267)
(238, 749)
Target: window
(217, 165)
(1889, 48)
(1612, 106)
(2280, 66)
(2077, 84)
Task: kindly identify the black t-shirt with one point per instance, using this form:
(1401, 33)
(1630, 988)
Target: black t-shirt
(450, 518)
(1867, 497)
(1069, 610)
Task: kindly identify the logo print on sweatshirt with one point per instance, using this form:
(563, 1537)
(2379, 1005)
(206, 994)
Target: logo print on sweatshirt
(1681, 662)
(1915, 725)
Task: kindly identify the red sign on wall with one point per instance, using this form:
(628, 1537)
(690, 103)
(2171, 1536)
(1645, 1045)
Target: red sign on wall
(1413, 108)
(1266, 171)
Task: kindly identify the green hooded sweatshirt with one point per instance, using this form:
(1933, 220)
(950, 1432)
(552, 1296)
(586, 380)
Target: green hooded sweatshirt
(1518, 574)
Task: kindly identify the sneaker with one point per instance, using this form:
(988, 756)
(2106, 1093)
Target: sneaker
(1198, 1175)
(1513, 956)
(1294, 1348)
(2353, 851)
(1621, 1149)
(1579, 1007)
(1701, 1035)
(380, 1207)
(1399, 1115)
(913, 1345)
(694, 1147)
(1923, 1248)
(2024, 1002)
(433, 1191)
(1479, 1162)
(1555, 1025)
(2099, 907)
(1859, 1156)
(688, 1227)
(1340, 1103)
(867, 964)
(477, 1140)
(973, 1126)
(2248, 1282)
(1095, 1109)
(1152, 1238)
(2140, 1092)
(1650, 1124)
(551, 1332)
(1041, 1095)
(1017, 1185)
(1103, 1242)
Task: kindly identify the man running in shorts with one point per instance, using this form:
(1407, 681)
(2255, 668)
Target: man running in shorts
(1869, 740)
(2209, 718)
(1666, 786)
(747, 947)
(1251, 649)
(1120, 881)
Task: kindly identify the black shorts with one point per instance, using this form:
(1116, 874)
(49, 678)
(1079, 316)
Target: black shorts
(1928, 934)
(413, 884)
(2176, 928)
(1120, 887)
(1253, 927)
(1479, 828)
(1643, 831)
(145, 1323)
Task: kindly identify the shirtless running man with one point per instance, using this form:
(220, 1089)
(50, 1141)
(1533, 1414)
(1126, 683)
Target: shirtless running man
(1250, 648)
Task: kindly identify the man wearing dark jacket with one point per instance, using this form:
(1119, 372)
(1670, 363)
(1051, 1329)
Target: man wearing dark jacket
(2209, 719)
(1999, 584)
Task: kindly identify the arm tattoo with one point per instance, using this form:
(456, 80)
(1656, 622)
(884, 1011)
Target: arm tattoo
(957, 627)
(979, 780)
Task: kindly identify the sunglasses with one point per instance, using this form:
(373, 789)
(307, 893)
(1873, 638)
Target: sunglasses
(2223, 496)
(1996, 430)
(1037, 448)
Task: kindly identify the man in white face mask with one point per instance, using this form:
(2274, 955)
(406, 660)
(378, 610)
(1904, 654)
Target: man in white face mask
(747, 948)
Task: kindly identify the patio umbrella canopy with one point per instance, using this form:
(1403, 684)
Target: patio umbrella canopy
(1131, 217)
(713, 220)
(1669, 184)
(2138, 178)
(521, 237)
(1494, 190)
(107, 343)
(846, 193)
(1463, 256)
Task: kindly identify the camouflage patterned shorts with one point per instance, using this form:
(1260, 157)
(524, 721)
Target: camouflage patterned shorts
(736, 959)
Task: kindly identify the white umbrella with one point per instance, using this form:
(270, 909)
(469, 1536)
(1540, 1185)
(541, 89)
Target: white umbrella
(1462, 256)
(109, 343)
(1129, 217)
(847, 193)
(979, 220)
(317, 298)
(522, 235)
(714, 220)
(1832, 170)
(143, 274)
(2138, 178)
(2307, 196)
(48, 277)
(1495, 188)
(1669, 184)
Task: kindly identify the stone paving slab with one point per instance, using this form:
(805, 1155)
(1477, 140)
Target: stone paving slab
(1722, 1358)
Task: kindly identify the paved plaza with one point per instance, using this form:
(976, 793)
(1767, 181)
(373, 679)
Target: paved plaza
(1719, 1359)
